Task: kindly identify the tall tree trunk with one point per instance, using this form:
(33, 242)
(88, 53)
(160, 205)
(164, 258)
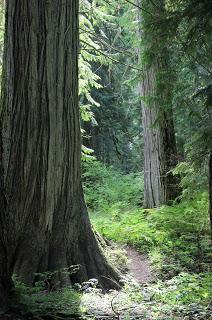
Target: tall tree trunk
(47, 222)
(160, 152)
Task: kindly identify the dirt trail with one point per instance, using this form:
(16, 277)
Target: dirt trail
(139, 265)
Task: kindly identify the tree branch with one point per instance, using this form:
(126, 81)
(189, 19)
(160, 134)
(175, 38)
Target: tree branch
(112, 59)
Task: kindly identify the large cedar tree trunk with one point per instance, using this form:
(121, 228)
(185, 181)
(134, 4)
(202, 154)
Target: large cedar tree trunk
(160, 152)
(47, 225)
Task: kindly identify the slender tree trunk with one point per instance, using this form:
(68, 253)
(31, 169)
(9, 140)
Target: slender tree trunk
(47, 224)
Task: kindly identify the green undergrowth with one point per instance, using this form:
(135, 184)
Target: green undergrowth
(176, 238)
(107, 189)
(39, 301)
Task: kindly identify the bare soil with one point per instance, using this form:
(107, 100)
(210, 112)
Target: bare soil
(139, 266)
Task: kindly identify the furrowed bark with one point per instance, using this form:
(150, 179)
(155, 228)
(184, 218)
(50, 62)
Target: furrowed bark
(160, 152)
(48, 226)
(5, 271)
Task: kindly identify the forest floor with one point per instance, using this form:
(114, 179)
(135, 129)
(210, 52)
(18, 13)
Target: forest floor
(139, 299)
(165, 264)
(139, 265)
